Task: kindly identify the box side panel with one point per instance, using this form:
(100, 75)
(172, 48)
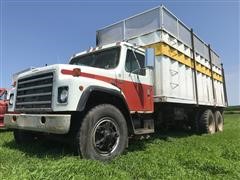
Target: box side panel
(220, 100)
(205, 92)
(174, 80)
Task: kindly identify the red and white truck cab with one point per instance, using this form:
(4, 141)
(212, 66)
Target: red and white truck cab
(112, 77)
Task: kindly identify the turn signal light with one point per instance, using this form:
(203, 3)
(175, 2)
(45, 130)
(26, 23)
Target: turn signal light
(76, 72)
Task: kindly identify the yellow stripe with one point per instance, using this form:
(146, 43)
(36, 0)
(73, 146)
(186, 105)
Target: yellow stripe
(217, 77)
(164, 49)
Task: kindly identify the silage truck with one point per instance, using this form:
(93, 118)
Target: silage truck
(146, 73)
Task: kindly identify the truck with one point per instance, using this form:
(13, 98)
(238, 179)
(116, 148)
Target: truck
(146, 73)
(3, 105)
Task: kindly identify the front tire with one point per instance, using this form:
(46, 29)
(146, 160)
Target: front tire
(103, 134)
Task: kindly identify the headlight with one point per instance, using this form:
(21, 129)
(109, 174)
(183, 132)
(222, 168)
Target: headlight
(11, 99)
(63, 94)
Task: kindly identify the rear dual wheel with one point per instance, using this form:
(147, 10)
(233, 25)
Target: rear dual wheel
(207, 122)
(210, 123)
(219, 121)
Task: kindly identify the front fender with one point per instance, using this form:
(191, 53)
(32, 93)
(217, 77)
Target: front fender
(85, 95)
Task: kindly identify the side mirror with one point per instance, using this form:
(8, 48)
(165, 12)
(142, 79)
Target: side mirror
(150, 57)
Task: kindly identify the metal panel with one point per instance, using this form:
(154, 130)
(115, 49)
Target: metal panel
(215, 59)
(199, 45)
(173, 80)
(110, 34)
(184, 34)
(169, 22)
(205, 52)
(220, 99)
(149, 21)
(212, 79)
(142, 24)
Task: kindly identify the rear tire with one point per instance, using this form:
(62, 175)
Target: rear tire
(219, 121)
(207, 122)
(103, 134)
(23, 137)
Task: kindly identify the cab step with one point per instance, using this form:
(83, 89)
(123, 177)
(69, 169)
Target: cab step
(143, 131)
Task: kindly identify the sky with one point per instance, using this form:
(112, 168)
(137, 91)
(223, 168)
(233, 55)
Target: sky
(34, 33)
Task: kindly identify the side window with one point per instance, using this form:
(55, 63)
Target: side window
(133, 61)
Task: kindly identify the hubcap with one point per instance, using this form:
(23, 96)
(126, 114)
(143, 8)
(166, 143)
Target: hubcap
(105, 136)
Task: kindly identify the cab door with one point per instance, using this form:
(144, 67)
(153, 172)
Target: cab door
(137, 85)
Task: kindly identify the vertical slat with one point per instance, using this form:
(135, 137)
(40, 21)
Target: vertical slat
(195, 70)
(224, 86)
(213, 87)
(97, 38)
(124, 30)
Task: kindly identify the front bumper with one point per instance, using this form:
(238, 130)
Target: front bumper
(48, 123)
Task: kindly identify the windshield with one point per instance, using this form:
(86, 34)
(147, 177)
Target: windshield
(3, 96)
(106, 59)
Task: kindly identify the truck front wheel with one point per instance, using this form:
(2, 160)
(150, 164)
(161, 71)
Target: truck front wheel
(103, 133)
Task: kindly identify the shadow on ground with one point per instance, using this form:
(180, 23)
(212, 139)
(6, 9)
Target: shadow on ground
(140, 143)
(54, 149)
(3, 130)
(42, 148)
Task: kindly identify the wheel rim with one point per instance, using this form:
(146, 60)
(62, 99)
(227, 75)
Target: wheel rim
(211, 126)
(105, 136)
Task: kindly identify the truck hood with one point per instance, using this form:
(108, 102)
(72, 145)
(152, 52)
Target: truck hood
(59, 67)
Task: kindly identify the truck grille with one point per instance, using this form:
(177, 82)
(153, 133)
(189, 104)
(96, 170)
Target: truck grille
(35, 93)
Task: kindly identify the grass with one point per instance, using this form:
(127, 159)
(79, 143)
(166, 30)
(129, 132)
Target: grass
(232, 110)
(174, 155)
